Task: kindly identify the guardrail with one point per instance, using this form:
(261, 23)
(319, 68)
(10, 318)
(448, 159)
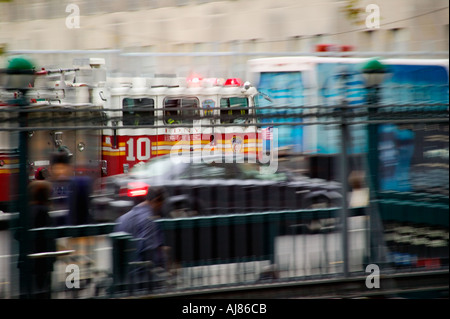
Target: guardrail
(249, 248)
(210, 252)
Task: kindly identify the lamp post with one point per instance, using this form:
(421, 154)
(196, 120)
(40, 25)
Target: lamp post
(19, 75)
(374, 73)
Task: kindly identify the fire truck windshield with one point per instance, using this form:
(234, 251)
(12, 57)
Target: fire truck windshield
(184, 110)
(231, 110)
(140, 116)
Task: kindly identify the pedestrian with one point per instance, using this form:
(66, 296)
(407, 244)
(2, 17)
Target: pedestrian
(42, 267)
(61, 173)
(140, 223)
(70, 193)
(71, 197)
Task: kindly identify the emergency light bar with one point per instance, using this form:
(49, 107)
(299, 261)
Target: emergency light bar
(197, 81)
(192, 81)
(233, 82)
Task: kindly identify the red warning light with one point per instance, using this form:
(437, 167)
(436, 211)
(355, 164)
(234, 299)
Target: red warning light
(233, 82)
(194, 80)
(137, 189)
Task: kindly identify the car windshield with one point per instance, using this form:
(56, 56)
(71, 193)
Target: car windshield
(260, 171)
(221, 169)
(205, 168)
(157, 166)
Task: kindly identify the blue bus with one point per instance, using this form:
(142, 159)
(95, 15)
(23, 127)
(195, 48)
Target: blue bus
(406, 152)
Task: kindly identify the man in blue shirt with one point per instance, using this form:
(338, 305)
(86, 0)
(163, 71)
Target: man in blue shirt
(139, 222)
(70, 192)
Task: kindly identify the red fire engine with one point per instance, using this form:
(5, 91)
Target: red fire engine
(192, 114)
(142, 118)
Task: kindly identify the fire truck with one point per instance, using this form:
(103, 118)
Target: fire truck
(149, 117)
(109, 124)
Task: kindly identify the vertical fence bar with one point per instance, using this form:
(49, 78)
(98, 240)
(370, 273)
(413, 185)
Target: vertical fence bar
(205, 239)
(223, 241)
(344, 175)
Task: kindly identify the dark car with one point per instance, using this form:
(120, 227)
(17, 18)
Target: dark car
(211, 185)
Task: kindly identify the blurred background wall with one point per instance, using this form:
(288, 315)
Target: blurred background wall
(186, 26)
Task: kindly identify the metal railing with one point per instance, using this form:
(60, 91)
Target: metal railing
(409, 231)
(213, 252)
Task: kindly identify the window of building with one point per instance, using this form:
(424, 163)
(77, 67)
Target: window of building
(445, 39)
(365, 40)
(397, 39)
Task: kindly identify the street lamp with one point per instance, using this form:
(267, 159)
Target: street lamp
(20, 74)
(374, 72)
(19, 77)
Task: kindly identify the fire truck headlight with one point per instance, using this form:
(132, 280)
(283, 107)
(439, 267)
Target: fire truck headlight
(81, 146)
(64, 148)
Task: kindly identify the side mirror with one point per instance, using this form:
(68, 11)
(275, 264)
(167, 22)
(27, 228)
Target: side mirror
(265, 96)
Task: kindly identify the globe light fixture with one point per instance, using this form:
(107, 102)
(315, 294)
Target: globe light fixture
(374, 73)
(20, 74)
